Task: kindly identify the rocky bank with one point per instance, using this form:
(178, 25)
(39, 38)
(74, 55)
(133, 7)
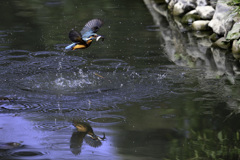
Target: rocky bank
(198, 34)
(209, 15)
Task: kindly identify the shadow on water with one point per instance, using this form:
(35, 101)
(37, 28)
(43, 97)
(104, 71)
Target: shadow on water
(173, 100)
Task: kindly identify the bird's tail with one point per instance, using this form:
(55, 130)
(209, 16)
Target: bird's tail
(70, 47)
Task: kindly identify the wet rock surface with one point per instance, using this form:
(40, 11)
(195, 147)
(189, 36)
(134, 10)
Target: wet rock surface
(222, 22)
(200, 25)
(205, 12)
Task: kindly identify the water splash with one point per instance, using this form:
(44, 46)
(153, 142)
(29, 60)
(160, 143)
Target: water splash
(68, 83)
(79, 80)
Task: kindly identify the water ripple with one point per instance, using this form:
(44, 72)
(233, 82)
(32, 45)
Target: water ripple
(107, 119)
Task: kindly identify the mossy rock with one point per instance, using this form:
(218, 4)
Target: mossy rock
(190, 18)
(234, 33)
(222, 43)
(214, 37)
(236, 49)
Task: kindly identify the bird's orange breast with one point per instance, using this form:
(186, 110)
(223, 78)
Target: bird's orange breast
(79, 46)
(82, 46)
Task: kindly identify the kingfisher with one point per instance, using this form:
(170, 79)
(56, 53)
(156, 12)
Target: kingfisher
(86, 36)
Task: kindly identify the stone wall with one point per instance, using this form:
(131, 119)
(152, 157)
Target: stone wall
(215, 15)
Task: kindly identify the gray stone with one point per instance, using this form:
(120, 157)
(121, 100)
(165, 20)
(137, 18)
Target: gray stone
(178, 9)
(200, 25)
(206, 12)
(192, 12)
(183, 6)
(171, 4)
(213, 3)
(202, 2)
(222, 21)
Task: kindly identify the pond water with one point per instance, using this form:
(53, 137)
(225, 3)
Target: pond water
(142, 87)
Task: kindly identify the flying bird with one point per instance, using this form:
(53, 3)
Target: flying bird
(86, 36)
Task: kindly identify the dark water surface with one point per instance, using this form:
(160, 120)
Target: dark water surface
(128, 87)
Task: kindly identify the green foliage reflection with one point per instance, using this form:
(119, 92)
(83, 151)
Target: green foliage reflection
(205, 145)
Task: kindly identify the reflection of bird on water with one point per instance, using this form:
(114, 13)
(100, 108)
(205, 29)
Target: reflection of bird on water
(9, 146)
(5, 99)
(84, 131)
(86, 36)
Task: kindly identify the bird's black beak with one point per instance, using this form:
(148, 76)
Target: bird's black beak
(103, 138)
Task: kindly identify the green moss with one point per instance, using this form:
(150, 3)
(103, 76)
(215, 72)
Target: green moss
(235, 3)
(234, 32)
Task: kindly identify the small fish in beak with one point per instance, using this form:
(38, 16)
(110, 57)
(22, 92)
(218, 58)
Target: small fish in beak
(99, 37)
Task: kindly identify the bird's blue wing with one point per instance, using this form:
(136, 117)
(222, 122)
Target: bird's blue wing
(91, 27)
